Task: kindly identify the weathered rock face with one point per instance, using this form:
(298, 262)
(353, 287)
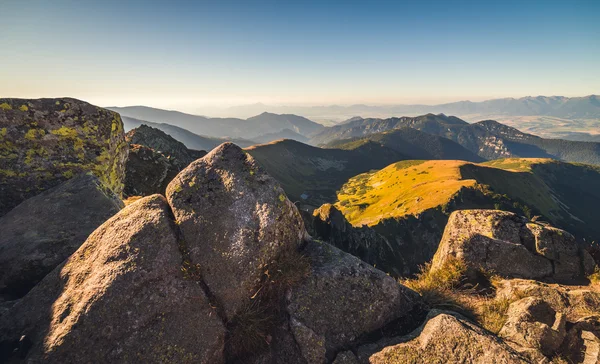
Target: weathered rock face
(533, 323)
(552, 319)
(508, 245)
(44, 142)
(343, 299)
(236, 220)
(121, 297)
(163, 143)
(147, 172)
(448, 338)
(43, 231)
(582, 343)
(329, 224)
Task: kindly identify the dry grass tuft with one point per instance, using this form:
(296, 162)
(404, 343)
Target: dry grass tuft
(449, 289)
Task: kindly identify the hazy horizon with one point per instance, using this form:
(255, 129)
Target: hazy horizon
(203, 55)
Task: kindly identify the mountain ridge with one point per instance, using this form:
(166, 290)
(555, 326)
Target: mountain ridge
(488, 139)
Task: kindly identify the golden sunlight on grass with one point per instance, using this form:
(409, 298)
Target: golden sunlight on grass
(402, 188)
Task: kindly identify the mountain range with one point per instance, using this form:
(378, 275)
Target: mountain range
(488, 139)
(585, 107)
(255, 126)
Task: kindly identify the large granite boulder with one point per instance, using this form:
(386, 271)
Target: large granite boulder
(236, 221)
(44, 142)
(147, 171)
(446, 337)
(41, 232)
(342, 300)
(163, 143)
(327, 223)
(532, 323)
(122, 297)
(510, 246)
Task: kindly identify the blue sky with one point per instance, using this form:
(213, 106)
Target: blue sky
(185, 54)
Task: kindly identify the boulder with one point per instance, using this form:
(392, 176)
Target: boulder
(582, 342)
(507, 245)
(446, 337)
(44, 142)
(513, 289)
(164, 144)
(342, 300)
(533, 323)
(147, 172)
(329, 224)
(236, 221)
(43, 231)
(121, 297)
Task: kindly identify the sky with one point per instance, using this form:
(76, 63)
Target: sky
(188, 54)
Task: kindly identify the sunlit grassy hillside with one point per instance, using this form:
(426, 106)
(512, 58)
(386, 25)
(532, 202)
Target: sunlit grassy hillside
(565, 194)
(403, 188)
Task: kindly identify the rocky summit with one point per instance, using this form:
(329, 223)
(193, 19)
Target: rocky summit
(162, 281)
(210, 262)
(147, 171)
(164, 144)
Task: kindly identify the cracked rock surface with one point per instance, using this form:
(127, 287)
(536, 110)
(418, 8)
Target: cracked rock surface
(508, 245)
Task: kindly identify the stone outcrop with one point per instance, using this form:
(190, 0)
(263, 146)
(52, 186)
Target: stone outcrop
(147, 172)
(551, 319)
(43, 231)
(342, 300)
(573, 301)
(121, 297)
(582, 342)
(44, 142)
(162, 143)
(446, 337)
(160, 283)
(236, 221)
(533, 324)
(510, 246)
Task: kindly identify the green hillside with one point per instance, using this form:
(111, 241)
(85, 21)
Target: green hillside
(562, 193)
(318, 173)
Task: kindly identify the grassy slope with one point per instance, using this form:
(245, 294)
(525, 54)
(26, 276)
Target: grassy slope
(565, 194)
(403, 188)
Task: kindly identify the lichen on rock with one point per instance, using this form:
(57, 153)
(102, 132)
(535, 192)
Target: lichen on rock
(44, 142)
